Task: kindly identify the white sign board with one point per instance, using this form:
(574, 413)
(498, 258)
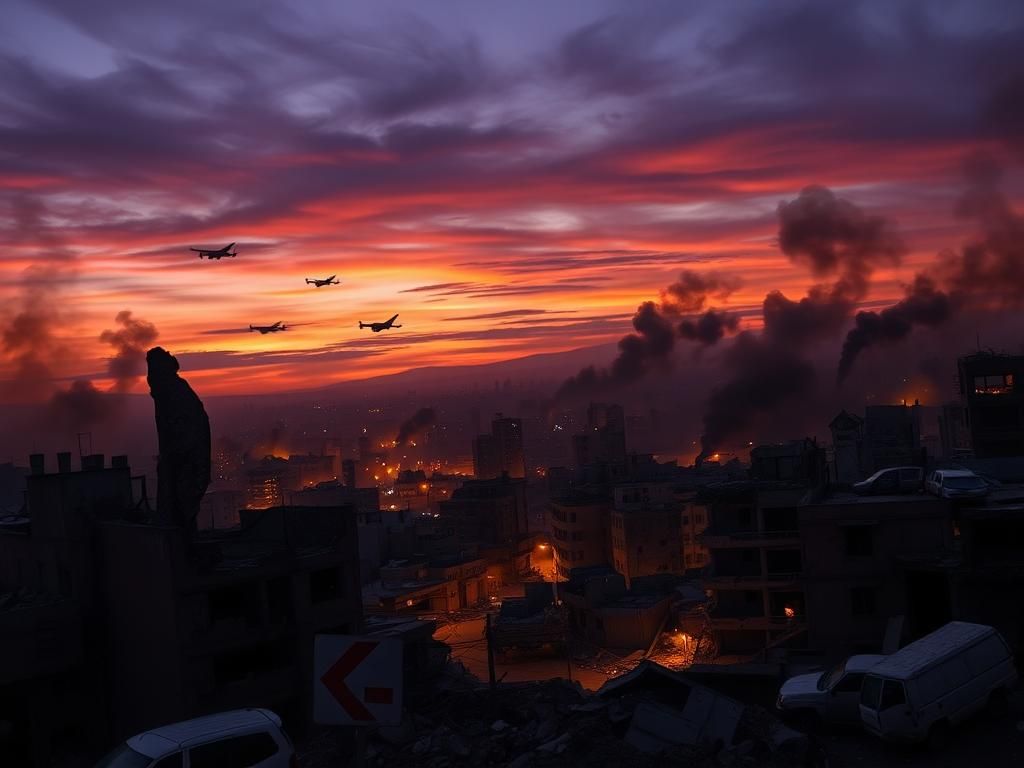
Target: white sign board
(357, 680)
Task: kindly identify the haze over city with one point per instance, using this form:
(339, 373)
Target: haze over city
(435, 315)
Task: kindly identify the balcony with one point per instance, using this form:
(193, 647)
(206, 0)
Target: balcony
(713, 539)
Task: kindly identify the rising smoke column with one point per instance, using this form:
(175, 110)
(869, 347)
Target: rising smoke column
(924, 305)
(415, 424)
(833, 237)
(82, 405)
(986, 274)
(130, 342)
(29, 345)
(654, 338)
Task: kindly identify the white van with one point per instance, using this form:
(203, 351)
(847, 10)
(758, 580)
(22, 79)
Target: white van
(917, 693)
(243, 738)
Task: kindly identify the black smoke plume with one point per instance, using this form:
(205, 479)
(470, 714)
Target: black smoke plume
(29, 344)
(987, 273)
(689, 294)
(833, 237)
(924, 305)
(81, 406)
(130, 342)
(709, 328)
(654, 339)
(423, 419)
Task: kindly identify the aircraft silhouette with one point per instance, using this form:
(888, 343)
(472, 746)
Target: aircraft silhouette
(326, 281)
(378, 327)
(218, 254)
(264, 329)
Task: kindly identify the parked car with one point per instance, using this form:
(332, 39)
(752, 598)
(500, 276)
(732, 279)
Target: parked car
(243, 738)
(956, 484)
(891, 480)
(832, 696)
(922, 690)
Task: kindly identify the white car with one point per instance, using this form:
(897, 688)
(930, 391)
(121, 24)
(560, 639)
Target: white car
(832, 696)
(956, 484)
(243, 738)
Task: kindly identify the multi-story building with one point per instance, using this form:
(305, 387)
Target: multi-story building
(847, 448)
(220, 506)
(992, 390)
(694, 521)
(128, 607)
(599, 451)
(892, 436)
(500, 452)
(858, 555)
(493, 515)
(579, 531)
(797, 461)
(954, 434)
(645, 530)
(756, 564)
(792, 566)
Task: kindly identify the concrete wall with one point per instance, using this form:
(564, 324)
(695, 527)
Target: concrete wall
(900, 530)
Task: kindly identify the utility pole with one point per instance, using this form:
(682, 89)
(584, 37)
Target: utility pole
(490, 652)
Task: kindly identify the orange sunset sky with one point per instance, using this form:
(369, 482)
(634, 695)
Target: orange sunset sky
(511, 182)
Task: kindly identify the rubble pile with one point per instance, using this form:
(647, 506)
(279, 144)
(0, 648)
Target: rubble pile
(556, 723)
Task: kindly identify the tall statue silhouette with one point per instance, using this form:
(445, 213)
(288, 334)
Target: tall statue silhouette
(183, 432)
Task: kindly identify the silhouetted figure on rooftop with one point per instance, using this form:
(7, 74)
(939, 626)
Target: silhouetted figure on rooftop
(183, 431)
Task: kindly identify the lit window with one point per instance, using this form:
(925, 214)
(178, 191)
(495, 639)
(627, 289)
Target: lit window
(993, 385)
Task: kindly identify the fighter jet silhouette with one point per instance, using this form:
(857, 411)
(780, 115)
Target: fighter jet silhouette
(378, 327)
(218, 254)
(326, 281)
(264, 329)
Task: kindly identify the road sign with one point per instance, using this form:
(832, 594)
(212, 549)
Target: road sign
(357, 680)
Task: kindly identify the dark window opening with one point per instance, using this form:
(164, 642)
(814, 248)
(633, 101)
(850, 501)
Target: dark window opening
(862, 601)
(324, 585)
(860, 541)
(893, 695)
(279, 600)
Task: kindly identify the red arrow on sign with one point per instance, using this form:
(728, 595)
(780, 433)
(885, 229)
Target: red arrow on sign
(334, 680)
